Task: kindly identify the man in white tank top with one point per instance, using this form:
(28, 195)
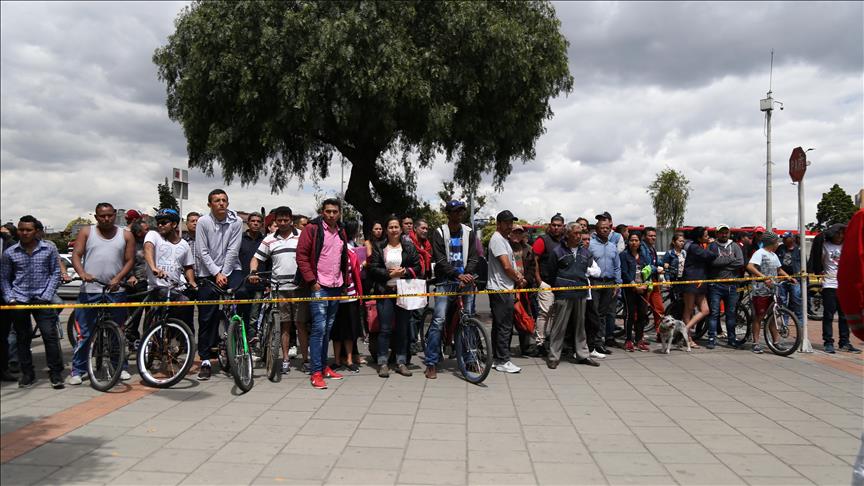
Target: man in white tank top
(108, 255)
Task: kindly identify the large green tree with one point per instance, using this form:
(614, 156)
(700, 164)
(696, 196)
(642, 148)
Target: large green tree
(166, 197)
(280, 89)
(836, 206)
(669, 193)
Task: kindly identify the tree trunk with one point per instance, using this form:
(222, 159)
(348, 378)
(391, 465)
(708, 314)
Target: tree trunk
(359, 193)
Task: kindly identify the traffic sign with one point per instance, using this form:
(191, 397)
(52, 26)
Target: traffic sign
(180, 183)
(797, 164)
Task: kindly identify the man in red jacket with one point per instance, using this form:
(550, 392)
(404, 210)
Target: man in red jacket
(322, 267)
(850, 275)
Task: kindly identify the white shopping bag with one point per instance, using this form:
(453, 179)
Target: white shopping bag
(408, 287)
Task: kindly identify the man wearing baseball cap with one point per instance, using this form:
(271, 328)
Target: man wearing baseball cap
(729, 261)
(503, 275)
(789, 254)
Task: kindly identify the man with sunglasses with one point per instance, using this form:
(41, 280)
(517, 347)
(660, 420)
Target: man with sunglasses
(546, 272)
(169, 258)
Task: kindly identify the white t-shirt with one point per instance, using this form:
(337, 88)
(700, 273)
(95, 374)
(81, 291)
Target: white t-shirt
(830, 262)
(392, 259)
(283, 253)
(498, 280)
(768, 264)
(170, 258)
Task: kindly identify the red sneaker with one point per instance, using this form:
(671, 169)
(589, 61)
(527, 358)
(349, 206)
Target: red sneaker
(643, 346)
(330, 374)
(628, 346)
(317, 381)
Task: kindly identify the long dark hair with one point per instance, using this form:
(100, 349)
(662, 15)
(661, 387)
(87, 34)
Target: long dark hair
(695, 234)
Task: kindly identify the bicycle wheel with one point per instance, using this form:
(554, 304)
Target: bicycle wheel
(743, 324)
(222, 352)
(166, 353)
(72, 330)
(701, 328)
(106, 355)
(814, 302)
(473, 352)
(239, 355)
(272, 345)
(788, 332)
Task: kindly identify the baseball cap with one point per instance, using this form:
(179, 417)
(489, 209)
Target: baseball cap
(722, 226)
(454, 205)
(518, 227)
(768, 237)
(603, 215)
(132, 215)
(169, 214)
(504, 216)
(759, 229)
(787, 234)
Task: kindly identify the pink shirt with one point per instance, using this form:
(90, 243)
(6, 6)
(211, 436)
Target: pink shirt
(330, 261)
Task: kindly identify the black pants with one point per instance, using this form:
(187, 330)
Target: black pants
(830, 306)
(209, 315)
(5, 327)
(592, 323)
(604, 300)
(502, 325)
(636, 314)
(45, 319)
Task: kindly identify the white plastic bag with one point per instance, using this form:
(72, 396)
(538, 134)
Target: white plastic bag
(408, 287)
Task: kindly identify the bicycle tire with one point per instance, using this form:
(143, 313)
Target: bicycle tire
(222, 351)
(272, 345)
(161, 343)
(239, 357)
(473, 340)
(701, 328)
(72, 330)
(789, 331)
(106, 354)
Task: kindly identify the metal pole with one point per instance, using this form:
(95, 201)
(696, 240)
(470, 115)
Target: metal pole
(806, 347)
(471, 211)
(180, 206)
(768, 219)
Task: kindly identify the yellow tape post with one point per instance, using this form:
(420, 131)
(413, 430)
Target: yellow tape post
(383, 296)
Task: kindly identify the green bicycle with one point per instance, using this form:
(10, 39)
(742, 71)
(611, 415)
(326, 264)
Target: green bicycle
(234, 345)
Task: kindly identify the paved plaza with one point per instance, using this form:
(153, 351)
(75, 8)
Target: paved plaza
(709, 417)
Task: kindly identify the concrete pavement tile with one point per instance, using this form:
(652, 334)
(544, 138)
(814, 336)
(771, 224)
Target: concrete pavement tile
(370, 458)
(492, 411)
(837, 445)
(481, 441)
(418, 471)
(93, 469)
(162, 427)
(436, 403)
(849, 423)
(394, 408)
(237, 451)
(387, 422)
(501, 478)
(590, 412)
(586, 425)
(725, 407)
(131, 446)
(536, 405)
(438, 431)
(663, 435)
(550, 433)
(188, 411)
(559, 452)
(299, 468)
(650, 419)
(123, 419)
(233, 423)
(15, 474)
(54, 454)
(629, 464)
(149, 477)
(271, 434)
(298, 404)
(340, 412)
(330, 428)
(713, 427)
(283, 418)
(202, 440)
(567, 474)
(501, 425)
(261, 397)
(216, 472)
(173, 460)
(814, 428)
(341, 476)
(682, 453)
(772, 435)
(782, 481)
(431, 416)
(310, 444)
(729, 443)
(613, 443)
(530, 417)
(93, 434)
(496, 461)
(633, 406)
(242, 409)
(445, 450)
(379, 438)
(834, 475)
(756, 465)
(703, 474)
(684, 413)
(640, 480)
(785, 412)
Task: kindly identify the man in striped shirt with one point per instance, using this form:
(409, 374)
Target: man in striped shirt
(281, 248)
(30, 274)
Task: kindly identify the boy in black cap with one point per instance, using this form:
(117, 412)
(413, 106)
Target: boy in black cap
(503, 275)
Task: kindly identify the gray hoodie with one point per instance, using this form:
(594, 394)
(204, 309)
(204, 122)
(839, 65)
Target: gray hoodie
(729, 262)
(217, 244)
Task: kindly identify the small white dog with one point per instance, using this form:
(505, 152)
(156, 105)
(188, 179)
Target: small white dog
(670, 328)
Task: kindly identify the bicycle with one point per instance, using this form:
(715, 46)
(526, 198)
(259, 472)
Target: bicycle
(167, 347)
(73, 330)
(106, 348)
(234, 345)
(271, 330)
(782, 323)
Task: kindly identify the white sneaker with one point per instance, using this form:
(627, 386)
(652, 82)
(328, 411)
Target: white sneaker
(292, 352)
(507, 367)
(74, 380)
(595, 354)
(125, 376)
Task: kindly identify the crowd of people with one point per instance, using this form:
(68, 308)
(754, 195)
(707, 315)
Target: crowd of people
(324, 257)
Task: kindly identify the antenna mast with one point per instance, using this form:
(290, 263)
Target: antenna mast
(767, 105)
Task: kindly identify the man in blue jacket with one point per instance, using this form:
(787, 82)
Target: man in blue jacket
(604, 251)
(789, 254)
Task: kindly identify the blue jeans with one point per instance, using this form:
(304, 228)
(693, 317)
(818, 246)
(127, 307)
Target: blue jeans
(790, 297)
(86, 319)
(396, 320)
(323, 315)
(728, 294)
(443, 309)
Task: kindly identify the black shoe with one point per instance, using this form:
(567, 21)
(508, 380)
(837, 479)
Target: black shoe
(552, 364)
(6, 376)
(27, 381)
(603, 350)
(531, 352)
(205, 372)
(57, 381)
(14, 367)
(611, 343)
(588, 361)
(711, 344)
(849, 348)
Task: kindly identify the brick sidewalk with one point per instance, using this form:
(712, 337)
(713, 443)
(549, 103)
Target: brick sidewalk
(710, 417)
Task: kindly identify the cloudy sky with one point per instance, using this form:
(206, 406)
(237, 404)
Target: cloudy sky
(83, 117)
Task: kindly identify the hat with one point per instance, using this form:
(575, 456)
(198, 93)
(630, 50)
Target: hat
(768, 238)
(132, 215)
(167, 213)
(518, 227)
(834, 229)
(721, 227)
(787, 234)
(505, 216)
(603, 215)
(454, 206)
(759, 229)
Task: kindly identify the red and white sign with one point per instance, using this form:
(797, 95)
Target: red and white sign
(797, 164)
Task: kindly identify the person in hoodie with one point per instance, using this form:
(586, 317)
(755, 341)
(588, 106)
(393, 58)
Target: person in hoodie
(729, 261)
(217, 249)
(696, 265)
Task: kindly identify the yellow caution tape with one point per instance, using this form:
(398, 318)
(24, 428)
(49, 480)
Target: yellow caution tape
(383, 296)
